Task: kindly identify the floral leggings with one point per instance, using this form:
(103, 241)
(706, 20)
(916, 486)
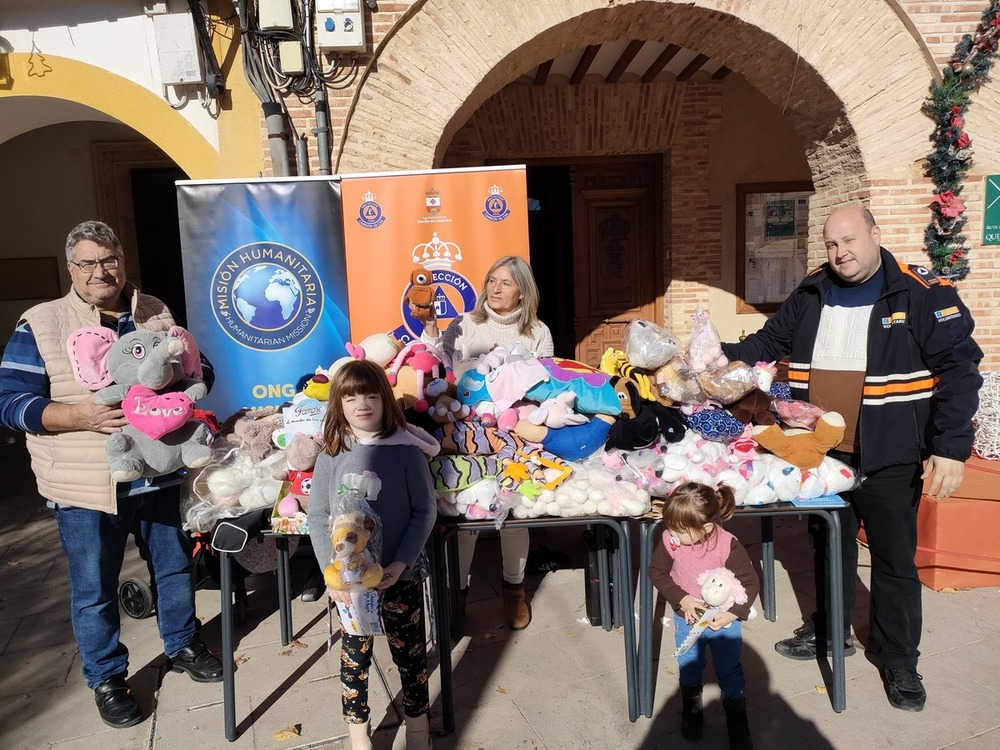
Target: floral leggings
(403, 619)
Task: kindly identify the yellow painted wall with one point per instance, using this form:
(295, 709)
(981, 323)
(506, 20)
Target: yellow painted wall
(150, 115)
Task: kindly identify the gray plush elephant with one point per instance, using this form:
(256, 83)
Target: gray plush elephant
(156, 377)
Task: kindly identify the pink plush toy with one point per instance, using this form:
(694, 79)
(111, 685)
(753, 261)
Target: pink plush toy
(428, 364)
(301, 455)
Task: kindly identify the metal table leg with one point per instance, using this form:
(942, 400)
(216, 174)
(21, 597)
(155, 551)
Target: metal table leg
(836, 586)
(284, 589)
(228, 665)
(604, 593)
(454, 587)
(768, 600)
(647, 535)
(442, 603)
(626, 600)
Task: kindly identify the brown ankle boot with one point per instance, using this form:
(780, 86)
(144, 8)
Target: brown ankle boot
(515, 609)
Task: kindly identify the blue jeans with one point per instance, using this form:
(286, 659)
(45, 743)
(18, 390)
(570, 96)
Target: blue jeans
(726, 645)
(94, 543)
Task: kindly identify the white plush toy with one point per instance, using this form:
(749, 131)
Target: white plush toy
(720, 590)
(380, 348)
(782, 477)
(251, 485)
(557, 412)
(588, 491)
(831, 477)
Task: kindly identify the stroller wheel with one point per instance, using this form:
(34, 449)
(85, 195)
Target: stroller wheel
(136, 598)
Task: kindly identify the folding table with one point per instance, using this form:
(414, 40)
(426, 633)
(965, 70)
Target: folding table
(649, 538)
(620, 569)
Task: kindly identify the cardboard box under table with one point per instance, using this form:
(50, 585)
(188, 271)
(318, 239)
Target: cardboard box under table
(956, 536)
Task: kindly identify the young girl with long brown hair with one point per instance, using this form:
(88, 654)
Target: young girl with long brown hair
(365, 431)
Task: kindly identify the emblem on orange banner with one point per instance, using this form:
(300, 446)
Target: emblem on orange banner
(495, 208)
(433, 201)
(370, 212)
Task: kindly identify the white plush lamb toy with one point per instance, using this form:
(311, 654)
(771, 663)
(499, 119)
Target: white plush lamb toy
(720, 590)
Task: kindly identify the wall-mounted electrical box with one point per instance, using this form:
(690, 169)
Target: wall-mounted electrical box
(274, 14)
(340, 25)
(290, 58)
(177, 49)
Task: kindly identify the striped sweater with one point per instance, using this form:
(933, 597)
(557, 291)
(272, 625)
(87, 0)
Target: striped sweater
(921, 375)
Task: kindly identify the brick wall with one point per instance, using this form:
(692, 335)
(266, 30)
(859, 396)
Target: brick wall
(674, 119)
(850, 77)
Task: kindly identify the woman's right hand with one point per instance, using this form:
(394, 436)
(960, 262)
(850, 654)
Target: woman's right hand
(430, 319)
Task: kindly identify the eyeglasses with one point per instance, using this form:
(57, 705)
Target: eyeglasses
(89, 266)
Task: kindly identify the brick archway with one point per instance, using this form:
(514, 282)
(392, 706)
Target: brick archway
(448, 60)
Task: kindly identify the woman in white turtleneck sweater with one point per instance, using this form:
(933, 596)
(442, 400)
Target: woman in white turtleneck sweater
(506, 312)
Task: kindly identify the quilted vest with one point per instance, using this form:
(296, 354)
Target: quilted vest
(692, 560)
(71, 468)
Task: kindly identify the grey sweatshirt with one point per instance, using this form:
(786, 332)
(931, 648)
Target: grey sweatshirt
(405, 504)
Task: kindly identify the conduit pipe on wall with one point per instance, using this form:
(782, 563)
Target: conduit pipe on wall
(274, 120)
(322, 130)
(301, 156)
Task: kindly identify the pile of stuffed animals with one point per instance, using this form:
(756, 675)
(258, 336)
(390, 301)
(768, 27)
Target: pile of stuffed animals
(530, 436)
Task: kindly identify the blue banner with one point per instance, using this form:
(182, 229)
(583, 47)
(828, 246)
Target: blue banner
(266, 284)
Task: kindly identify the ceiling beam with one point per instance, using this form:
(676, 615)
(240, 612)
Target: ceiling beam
(721, 73)
(627, 56)
(660, 62)
(543, 72)
(585, 62)
(692, 67)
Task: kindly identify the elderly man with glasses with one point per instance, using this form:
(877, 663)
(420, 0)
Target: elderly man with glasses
(65, 432)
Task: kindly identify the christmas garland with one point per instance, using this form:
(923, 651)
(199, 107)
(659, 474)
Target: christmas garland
(951, 158)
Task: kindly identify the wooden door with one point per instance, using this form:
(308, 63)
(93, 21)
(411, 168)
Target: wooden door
(617, 251)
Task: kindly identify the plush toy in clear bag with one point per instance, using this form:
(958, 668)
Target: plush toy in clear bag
(677, 381)
(728, 384)
(356, 543)
(647, 345)
(231, 485)
(704, 350)
(794, 413)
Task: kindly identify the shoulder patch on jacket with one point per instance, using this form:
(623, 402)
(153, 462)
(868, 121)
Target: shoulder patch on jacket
(924, 276)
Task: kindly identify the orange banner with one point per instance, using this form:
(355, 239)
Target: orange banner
(452, 223)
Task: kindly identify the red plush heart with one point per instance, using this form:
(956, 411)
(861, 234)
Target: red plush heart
(156, 414)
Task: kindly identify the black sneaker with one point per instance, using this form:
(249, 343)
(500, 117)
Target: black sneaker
(904, 689)
(199, 663)
(802, 645)
(116, 704)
